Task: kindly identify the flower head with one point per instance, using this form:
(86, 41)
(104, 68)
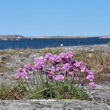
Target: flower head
(83, 69)
(78, 64)
(59, 68)
(19, 70)
(51, 77)
(21, 73)
(90, 77)
(48, 57)
(59, 77)
(69, 55)
(66, 67)
(27, 67)
(92, 84)
(56, 58)
(38, 64)
(71, 74)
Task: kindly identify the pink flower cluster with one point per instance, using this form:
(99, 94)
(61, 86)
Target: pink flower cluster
(38, 64)
(59, 67)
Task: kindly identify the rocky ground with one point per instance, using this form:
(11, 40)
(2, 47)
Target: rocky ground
(101, 93)
(52, 105)
(90, 48)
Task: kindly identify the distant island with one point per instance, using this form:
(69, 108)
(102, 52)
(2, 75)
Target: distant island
(105, 37)
(6, 37)
(17, 37)
(58, 37)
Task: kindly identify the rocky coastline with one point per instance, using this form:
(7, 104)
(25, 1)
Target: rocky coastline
(101, 93)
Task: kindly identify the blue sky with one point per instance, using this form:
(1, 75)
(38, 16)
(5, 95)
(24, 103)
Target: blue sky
(55, 17)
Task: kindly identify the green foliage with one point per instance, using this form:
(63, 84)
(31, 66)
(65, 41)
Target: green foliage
(12, 92)
(97, 61)
(47, 90)
(57, 90)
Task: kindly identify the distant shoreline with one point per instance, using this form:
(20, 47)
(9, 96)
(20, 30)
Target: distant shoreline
(6, 37)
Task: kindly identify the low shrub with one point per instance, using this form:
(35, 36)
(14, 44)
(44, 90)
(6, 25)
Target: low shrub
(55, 76)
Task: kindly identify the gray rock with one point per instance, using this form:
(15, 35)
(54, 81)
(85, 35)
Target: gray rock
(52, 105)
(102, 92)
(89, 48)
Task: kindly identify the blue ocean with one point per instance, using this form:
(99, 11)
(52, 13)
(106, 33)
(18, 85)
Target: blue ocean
(42, 43)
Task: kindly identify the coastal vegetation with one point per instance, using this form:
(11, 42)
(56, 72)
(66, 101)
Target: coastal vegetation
(96, 61)
(56, 76)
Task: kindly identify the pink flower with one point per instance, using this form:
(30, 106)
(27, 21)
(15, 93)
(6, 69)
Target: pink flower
(48, 57)
(51, 73)
(26, 67)
(56, 58)
(69, 54)
(59, 68)
(92, 84)
(75, 69)
(59, 77)
(20, 70)
(52, 68)
(36, 60)
(71, 74)
(62, 55)
(84, 69)
(66, 67)
(90, 77)
(78, 64)
(17, 75)
(21, 73)
(51, 77)
(40, 61)
(34, 68)
(73, 62)
(66, 56)
(90, 73)
(38, 64)
(46, 72)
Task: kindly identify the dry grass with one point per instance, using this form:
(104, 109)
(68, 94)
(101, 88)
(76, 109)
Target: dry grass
(15, 51)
